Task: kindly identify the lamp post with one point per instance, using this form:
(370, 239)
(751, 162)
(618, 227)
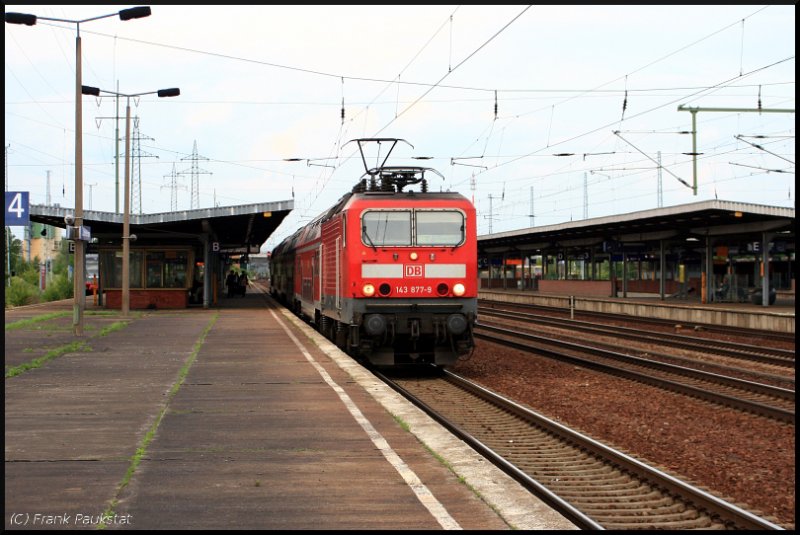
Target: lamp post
(126, 218)
(79, 286)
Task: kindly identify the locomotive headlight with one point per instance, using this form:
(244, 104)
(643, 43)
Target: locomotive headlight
(368, 290)
(459, 289)
(413, 256)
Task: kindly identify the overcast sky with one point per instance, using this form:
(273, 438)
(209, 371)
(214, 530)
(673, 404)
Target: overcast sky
(541, 114)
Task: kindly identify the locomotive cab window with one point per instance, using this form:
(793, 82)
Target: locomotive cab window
(380, 228)
(440, 227)
(393, 228)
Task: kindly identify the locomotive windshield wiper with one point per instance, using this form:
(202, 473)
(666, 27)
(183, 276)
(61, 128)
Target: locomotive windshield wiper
(364, 231)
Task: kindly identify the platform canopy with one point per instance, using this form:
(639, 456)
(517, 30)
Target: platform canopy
(715, 219)
(234, 229)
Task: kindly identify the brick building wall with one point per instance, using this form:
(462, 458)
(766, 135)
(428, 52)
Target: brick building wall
(144, 299)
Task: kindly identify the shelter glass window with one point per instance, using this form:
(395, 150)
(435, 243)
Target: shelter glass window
(167, 269)
(155, 272)
(111, 269)
(381, 228)
(440, 227)
(175, 265)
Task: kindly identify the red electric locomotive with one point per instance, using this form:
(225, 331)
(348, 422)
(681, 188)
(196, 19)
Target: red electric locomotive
(389, 275)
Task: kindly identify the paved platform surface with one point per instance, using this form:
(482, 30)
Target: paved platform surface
(784, 302)
(238, 417)
(779, 318)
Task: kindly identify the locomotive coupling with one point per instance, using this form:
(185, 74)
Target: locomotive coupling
(375, 324)
(456, 324)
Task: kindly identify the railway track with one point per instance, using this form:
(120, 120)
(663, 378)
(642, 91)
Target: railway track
(764, 400)
(749, 334)
(746, 352)
(595, 486)
(782, 377)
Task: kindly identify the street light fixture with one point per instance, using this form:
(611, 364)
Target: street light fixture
(78, 275)
(126, 218)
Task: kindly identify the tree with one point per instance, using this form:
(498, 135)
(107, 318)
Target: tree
(22, 283)
(16, 253)
(60, 286)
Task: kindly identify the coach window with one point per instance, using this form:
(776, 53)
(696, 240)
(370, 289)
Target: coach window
(440, 227)
(380, 228)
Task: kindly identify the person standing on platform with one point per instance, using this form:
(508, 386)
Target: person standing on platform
(243, 282)
(231, 282)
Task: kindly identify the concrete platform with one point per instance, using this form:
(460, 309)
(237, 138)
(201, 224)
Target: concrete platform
(243, 418)
(779, 317)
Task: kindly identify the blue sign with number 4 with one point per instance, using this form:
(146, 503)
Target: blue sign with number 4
(17, 208)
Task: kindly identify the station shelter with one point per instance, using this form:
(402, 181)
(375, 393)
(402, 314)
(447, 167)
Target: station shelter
(177, 259)
(712, 250)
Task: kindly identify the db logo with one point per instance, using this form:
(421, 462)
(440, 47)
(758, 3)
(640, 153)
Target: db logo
(413, 270)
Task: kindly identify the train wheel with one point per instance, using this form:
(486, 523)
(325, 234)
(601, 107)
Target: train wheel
(319, 322)
(340, 337)
(327, 328)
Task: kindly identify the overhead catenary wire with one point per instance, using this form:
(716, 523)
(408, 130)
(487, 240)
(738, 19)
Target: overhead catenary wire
(682, 181)
(485, 138)
(462, 62)
(450, 71)
(552, 110)
(644, 112)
